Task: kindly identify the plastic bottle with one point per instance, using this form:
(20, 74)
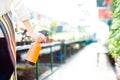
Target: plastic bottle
(33, 53)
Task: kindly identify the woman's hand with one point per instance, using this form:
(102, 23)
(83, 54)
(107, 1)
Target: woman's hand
(39, 37)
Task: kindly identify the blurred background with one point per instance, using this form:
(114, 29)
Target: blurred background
(67, 19)
(70, 26)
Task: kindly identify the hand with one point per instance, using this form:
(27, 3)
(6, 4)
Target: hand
(39, 37)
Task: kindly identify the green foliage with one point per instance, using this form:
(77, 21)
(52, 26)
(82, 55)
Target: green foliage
(114, 37)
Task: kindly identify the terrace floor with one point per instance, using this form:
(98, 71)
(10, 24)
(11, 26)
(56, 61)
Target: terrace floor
(83, 66)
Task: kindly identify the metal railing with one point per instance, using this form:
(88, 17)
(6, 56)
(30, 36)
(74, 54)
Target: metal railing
(50, 48)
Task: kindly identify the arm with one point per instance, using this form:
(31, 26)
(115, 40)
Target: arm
(23, 16)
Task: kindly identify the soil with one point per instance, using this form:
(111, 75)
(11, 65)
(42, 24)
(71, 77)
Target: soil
(29, 72)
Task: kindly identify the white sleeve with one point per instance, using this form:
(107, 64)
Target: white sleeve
(20, 10)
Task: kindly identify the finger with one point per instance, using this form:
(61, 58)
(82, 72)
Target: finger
(43, 38)
(40, 39)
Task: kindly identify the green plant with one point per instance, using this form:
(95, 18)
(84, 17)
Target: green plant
(114, 37)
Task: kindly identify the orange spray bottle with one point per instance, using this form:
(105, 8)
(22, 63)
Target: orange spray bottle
(33, 53)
